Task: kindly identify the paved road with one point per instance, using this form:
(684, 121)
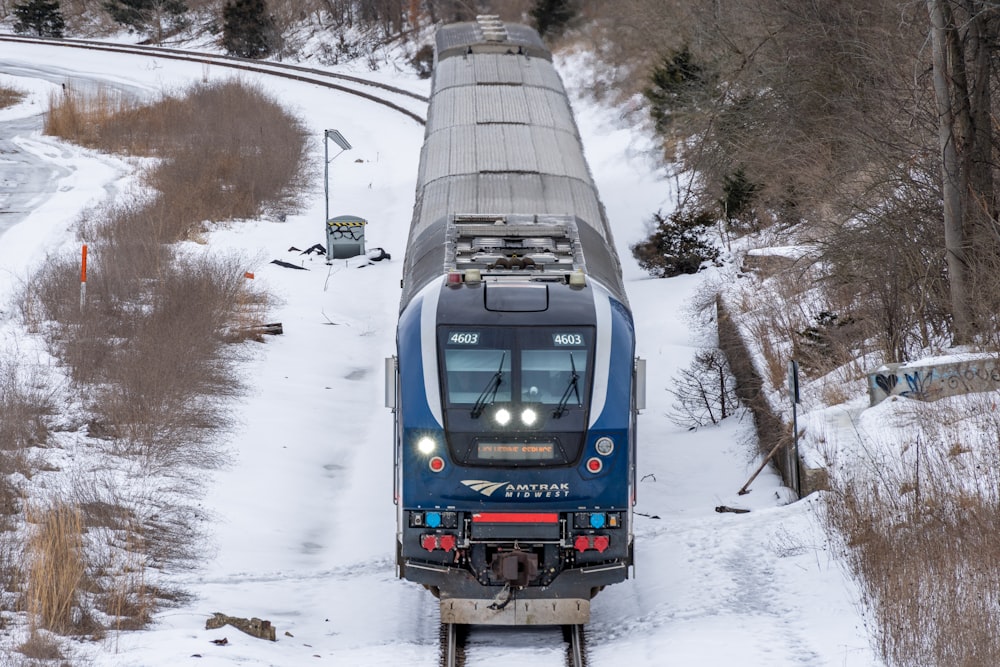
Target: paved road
(26, 179)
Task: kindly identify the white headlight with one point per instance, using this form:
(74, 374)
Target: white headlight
(502, 416)
(426, 445)
(529, 417)
(604, 446)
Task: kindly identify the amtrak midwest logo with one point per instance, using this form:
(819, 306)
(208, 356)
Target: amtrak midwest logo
(525, 491)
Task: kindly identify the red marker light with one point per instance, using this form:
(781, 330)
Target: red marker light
(454, 278)
(436, 464)
(594, 465)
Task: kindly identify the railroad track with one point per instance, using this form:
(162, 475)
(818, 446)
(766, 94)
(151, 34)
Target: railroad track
(408, 103)
(456, 644)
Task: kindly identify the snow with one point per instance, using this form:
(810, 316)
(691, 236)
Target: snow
(300, 523)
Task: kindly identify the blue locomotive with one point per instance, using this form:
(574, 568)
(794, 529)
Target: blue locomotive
(515, 387)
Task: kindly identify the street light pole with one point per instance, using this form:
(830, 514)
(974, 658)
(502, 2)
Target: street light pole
(344, 145)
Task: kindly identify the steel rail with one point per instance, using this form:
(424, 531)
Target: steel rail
(287, 71)
(454, 637)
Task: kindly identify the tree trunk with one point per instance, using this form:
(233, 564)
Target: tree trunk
(953, 179)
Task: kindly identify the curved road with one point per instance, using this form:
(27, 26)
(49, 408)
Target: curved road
(29, 177)
(25, 179)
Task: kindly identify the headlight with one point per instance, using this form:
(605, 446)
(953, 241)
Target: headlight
(604, 446)
(529, 417)
(502, 416)
(426, 445)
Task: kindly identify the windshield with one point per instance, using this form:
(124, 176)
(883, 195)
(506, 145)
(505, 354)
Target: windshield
(516, 396)
(550, 375)
(523, 365)
(474, 374)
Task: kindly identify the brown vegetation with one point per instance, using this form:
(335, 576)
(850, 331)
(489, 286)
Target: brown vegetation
(848, 128)
(55, 567)
(923, 537)
(10, 96)
(150, 350)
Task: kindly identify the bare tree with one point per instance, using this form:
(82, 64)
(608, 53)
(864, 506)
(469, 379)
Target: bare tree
(705, 393)
(962, 37)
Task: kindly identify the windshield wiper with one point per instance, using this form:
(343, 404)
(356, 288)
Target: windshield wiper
(490, 390)
(573, 386)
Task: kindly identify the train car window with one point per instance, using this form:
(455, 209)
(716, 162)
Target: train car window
(473, 370)
(546, 374)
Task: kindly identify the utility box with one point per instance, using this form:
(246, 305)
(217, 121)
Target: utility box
(345, 237)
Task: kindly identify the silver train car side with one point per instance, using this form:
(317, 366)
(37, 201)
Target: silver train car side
(515, 387)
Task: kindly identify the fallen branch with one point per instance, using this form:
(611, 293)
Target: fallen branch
(271, 329)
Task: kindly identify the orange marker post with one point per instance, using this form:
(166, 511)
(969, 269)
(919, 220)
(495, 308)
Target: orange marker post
(83, 277)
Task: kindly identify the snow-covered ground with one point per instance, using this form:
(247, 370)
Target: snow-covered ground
(301, 520)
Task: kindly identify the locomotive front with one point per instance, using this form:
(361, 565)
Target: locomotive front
(515, 388)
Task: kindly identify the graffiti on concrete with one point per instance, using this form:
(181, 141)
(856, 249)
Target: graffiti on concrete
(929, 382)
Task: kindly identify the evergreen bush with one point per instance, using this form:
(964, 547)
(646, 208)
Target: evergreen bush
(248, 30)
(551, 16)
(674, 86)
(39, 17)
(677, 245)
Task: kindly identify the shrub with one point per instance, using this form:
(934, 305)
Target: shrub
(248, 30)
(26, 399)
(825, 344)
(423, 61)
(155, 15)
(150, 349)
(39, 17)
(551, 16)
(738, 197)
(677, 245)
(676, 84)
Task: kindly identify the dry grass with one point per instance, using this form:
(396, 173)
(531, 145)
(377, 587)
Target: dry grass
(26, 399)
(923, 538)
(55, 567)
(152, 333)
(151, 352)
(227, 151)
(81, 117)
(10, 96)
(41, 646)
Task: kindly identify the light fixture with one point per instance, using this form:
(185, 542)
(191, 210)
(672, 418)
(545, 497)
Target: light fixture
(426, 445)
(604, 446)
(502, 416)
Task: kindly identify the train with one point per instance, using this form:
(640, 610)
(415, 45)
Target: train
(515, 386)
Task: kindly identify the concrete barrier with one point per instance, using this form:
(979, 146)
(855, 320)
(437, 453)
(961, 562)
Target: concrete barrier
(930, 381)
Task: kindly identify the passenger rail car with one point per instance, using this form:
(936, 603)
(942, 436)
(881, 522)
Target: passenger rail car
(514, 386)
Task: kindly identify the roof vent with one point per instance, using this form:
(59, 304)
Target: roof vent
(492, 28)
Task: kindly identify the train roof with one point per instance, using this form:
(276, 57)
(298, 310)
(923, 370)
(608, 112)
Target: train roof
(501, 140)
(488, 34)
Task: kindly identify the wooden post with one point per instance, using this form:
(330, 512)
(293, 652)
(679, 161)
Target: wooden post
(770, 455)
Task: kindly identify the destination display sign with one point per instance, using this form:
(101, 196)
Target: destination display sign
(516, 451)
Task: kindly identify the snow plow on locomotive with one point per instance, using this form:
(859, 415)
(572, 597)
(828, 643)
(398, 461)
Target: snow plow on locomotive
(515, 388)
